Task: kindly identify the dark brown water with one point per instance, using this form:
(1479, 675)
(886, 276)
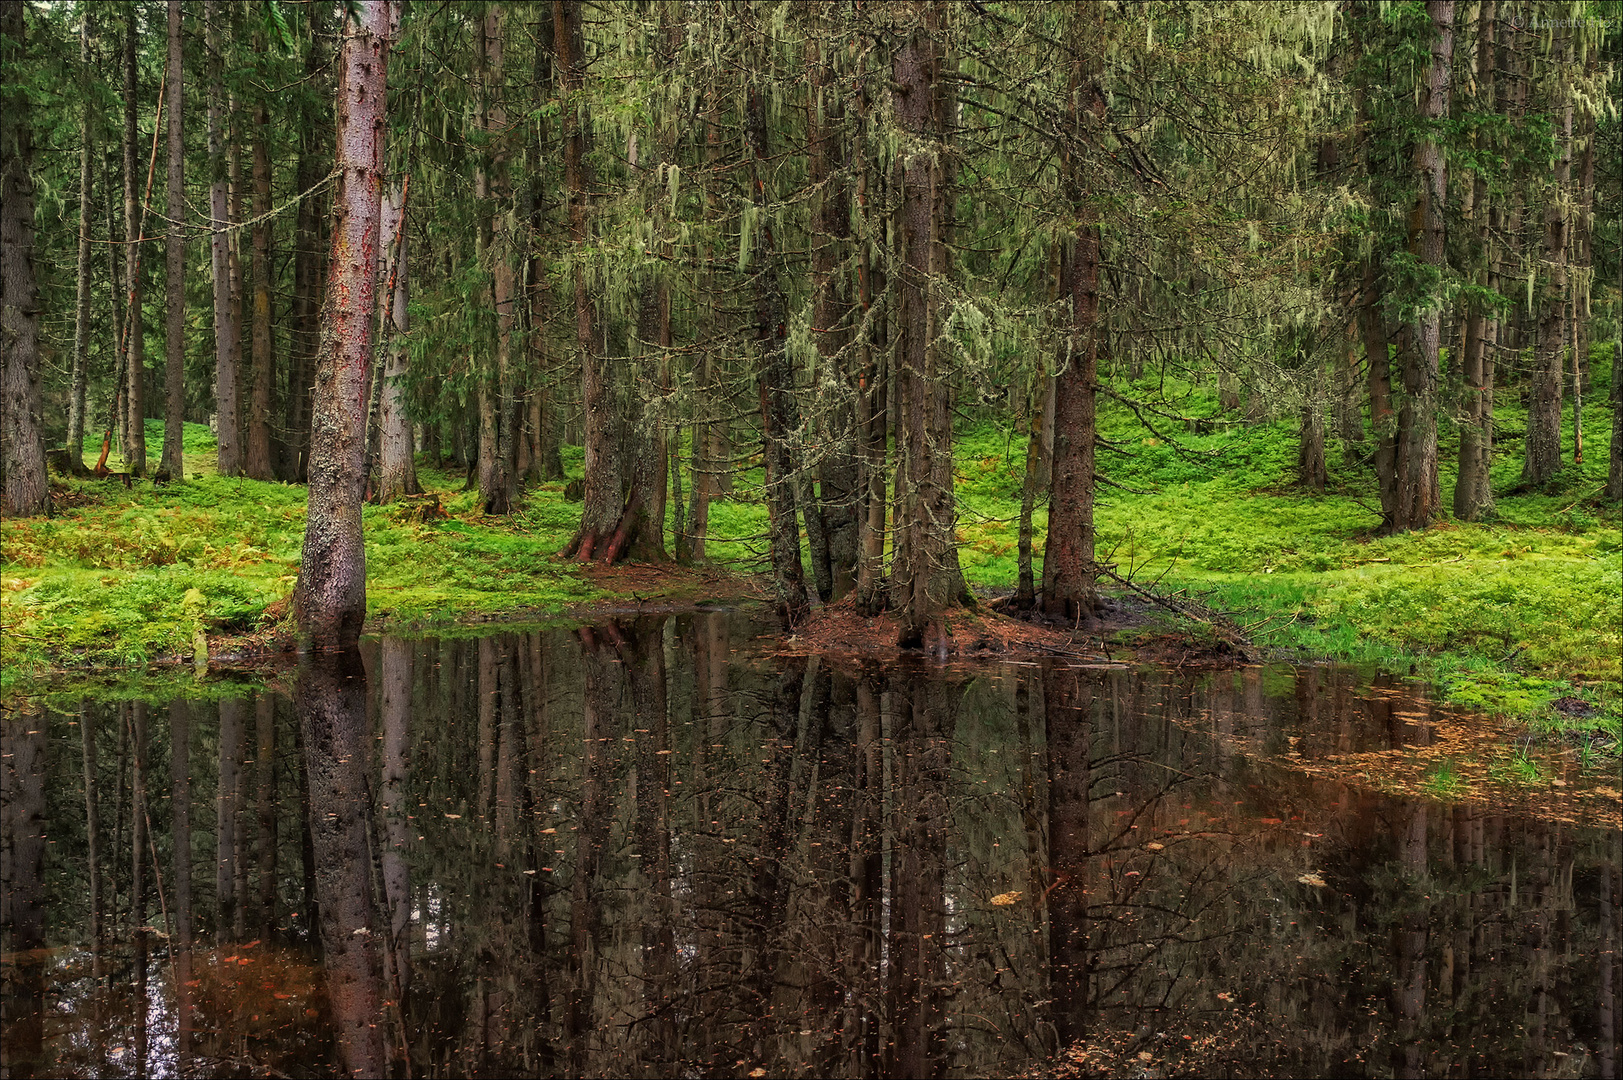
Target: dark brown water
(653, 850)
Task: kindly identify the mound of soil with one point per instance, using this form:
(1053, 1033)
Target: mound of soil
(837, 629)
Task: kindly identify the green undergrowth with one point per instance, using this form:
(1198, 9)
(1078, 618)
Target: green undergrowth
(1512, 615)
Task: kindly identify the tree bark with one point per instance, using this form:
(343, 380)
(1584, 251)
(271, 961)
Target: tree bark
(496, 414)
(776, 383)
(261, 464)
(1421, 344)
(134, 415)
(307, 269)
(925, 576)
(22, 442)
(330, 599)
(603, 498)
(397, 472)
(171, 465)
(1541, 453)
(81, 321)
(226, 335)
(1473, 492)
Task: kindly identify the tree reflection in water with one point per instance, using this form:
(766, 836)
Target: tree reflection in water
(648, 849)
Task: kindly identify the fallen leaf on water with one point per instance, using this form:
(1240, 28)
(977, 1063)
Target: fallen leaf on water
(1312, 878)
(1005, 899)
(454, 817)
(1153, 846)
(757, 1072)
(1224, 995)
(548, 832)
(1145, 1055)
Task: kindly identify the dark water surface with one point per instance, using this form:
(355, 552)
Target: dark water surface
(652, 849)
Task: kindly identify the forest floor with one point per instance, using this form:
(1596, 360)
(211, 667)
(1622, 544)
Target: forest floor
(1517, 617)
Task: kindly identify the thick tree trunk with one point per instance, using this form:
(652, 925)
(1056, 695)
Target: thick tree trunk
(22, 442)
(397, 472)
(171, 466)
(1311, 471)
(603, 497)
(873, 379)
(1542, 450)
(261, 464)
(330, 599)
(776, 382)
(1421, 344)
(834, 559)
(81, 322)
(926, 579)
(1382, 417)
(133, 418)
(226, 336)
(1069, 570)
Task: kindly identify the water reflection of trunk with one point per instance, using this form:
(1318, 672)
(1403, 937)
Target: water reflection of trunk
(863, 1009)
(22, 903)
(332, 715)
(1068, 712)
(87, 737)
(643, 651)
(921, 739)
(138, 872)
(180, 817)
(227, 908)
(265, 812)
(769, 891)
(604, 689)
(538, 765)
(711, 707)
(487, 722)
(396, 709)
(1410, 985)
(1611, 955)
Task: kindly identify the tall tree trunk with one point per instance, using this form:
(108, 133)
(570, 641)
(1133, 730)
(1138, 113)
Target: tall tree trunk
(134, 416)
(776, 382)
(602, 497)
(81, 321)
(1473, 492)
(834, 560)
(307, 264)
(226, 335)
(1382, 417)
(261, 464)
(1542, 451)
(1421, 343)
(926, 578)
(397, 473)
(1069, 571)
(874, 375)
(330, 599)
(22, 441)
(171, 466)
(496, 419)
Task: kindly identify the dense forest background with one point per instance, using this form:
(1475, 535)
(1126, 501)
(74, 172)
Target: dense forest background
(790, 245)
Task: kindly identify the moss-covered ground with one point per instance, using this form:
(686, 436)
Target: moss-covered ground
(1516, 615)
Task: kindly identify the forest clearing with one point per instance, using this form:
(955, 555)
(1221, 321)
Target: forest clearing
(872, 538)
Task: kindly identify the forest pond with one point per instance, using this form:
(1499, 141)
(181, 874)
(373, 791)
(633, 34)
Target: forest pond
(657, 848)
